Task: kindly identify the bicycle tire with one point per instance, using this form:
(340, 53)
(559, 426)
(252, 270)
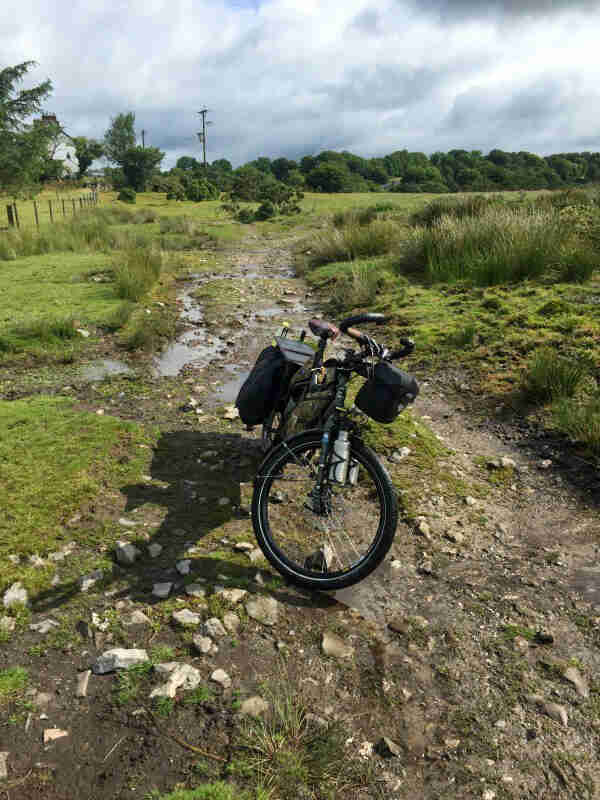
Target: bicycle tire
(298, 455)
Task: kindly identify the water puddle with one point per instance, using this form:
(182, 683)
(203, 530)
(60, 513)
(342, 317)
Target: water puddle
(228, 391)
(104, 368)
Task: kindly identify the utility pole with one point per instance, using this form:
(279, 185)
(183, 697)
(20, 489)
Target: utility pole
(143, 138)
(202, 134)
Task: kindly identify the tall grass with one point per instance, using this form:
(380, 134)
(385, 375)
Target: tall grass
(362, 216)
(456, 207)
(136, 270)
(354, 242)
(580, 420)
(501, 245)
(359, 285)
(550, 377)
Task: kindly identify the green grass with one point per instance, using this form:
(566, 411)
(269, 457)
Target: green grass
(136, 270)
(550, 376)
(207, 791)
(54, 460)
(12, 683)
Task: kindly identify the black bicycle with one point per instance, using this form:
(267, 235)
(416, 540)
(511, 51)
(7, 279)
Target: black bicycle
(324, 508)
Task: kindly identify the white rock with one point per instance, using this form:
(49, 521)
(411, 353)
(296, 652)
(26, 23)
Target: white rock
(118, 658)
(14, 559)
(243, 546)
(186, 617)
(3, 765)
(154, 549)
(162, 590)
(183, 567)
(470, 501)
(203, 644)
(395, 564)
(83, 332)
(231, 622)
(15, 595)
(82, 683)
(254, 706)
(263, 609)
(184, 676)
(195, 590)
(232, 596)
(127, 523)
(126, 553)
(136, 618)
(45, 626)
(255, 555)
(334, 646)
(573, 676)
(546, 463)
(221, 677)
(213, 627)
(507, 463)
(36, 561)
(224, 501)
(51, 734)
(87, 581)
(231, 412)
(424, 530)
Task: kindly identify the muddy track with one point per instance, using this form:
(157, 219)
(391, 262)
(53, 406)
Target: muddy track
(462, 640)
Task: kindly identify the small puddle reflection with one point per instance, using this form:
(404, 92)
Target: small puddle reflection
(228, 391)
(104, 368)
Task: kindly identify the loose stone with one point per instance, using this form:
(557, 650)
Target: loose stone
(573, 676)
(118, 658)
(254, 706)
(387, 748)
(7, 624)
(255, 555)
(224, 501)
(51, 734)
(154, 550)
(3, 765)
(183, 567)
(264, 610)
(162, 590)
(333, 645)
(15, 595)
(45, 626)
(232, 596)
(127, 523)
(203, 644)
(195, 590)
(221, 677)
(185, 617)
(213, 627)
(231, 622)
(82, 683)
(87, 581)
(126, 553)
(183, 675)
(243, 546)
(137, 618)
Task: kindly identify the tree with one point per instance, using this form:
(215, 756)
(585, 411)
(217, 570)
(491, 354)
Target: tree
(23, 147)
(120, 137)
(86, 151)
(329, 176)
(139, 164)
(187, 163)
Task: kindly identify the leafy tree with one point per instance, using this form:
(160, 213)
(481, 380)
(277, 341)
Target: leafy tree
(139, 164)
(329, 177)
(198, 190)
(282, 167)
(187, 163)
(222, 164)
(120, 137)
(86, 150)
(23, 147)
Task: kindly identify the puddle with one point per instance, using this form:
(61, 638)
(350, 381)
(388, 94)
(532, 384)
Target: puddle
(104, 368)
(228, 391)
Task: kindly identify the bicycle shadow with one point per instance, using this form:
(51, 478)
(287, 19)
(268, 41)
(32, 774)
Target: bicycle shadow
(204, 482)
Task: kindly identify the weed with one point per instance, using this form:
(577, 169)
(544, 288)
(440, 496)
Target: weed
(12, 682)
(549, 376)
(130, 682)
(162, 652)
(207, 791)
(354, 241)
(580, 421)
(136, 271)
(198, 696)
(164, 706)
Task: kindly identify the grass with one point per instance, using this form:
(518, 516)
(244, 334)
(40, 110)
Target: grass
(550, 376)
(136, 270)
(54, 459)
(13, 681)
(208, 791)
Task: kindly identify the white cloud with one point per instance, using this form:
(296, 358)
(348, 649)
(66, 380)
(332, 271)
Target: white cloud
(291, 77)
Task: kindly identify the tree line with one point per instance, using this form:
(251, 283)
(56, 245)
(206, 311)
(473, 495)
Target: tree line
(28, 150)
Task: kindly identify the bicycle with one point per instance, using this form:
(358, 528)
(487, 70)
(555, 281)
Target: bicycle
(324, 509)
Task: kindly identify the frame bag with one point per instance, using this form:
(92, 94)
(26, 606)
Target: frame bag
(386, 393)
(259, 392)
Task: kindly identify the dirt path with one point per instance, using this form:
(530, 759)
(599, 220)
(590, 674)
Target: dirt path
(474, 647)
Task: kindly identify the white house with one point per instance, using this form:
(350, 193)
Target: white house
(62, 148)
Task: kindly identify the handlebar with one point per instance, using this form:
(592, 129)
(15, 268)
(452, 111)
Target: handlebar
(326, 330)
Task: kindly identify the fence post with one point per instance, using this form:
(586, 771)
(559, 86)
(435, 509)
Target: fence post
(35, 211)
(63, 207)
(73, 199)
(16, 215)
(81, 202)
(10, 215)
(51, 214)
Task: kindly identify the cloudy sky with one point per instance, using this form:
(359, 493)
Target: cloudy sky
(292, 77)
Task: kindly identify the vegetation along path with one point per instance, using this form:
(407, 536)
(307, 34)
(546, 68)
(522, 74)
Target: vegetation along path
(146, 646)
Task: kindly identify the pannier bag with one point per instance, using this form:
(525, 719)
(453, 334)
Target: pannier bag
(386, 393)
(258, 395)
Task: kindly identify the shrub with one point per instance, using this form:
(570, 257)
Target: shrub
(551, 377)
(471, 206)
(245, 215)
(360, 285)
(176, 192)
(580, 420)
(266, 210)
(127, 195)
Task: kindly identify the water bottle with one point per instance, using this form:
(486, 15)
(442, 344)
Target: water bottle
(341, 455)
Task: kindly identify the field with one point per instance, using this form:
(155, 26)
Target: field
(487, 601)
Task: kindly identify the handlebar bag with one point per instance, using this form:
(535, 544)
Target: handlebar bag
(260, 391)
(386, 393)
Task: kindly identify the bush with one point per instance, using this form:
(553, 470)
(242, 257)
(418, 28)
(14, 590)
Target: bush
(551, 377)
(245, 215)
(353, 242)
(127, 195)
(580, 420)
(266, 210)
(471, 206)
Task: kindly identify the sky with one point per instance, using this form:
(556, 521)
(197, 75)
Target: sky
(294, 77)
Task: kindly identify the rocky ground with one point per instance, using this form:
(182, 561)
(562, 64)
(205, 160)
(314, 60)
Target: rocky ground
(464, 668)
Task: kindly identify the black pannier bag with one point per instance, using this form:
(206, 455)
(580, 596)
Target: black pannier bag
(387, 392)
(258, 395)
(267, 383)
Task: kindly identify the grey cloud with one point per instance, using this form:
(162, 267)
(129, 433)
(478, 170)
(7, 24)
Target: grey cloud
(368, 21)
(457, 11)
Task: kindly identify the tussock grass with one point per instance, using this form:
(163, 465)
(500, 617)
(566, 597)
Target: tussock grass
(362, 216)
(136, 270)
(354, 242)
(502, 245)
(181, 224)
(580, 420)
(549, 376)
(457, 208)
(359, 284)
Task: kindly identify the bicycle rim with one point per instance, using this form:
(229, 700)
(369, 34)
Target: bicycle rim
(340, 542)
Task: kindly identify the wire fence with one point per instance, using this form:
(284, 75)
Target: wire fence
(39, 212)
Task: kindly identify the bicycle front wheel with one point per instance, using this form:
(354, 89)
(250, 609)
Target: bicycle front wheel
(329, 539)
